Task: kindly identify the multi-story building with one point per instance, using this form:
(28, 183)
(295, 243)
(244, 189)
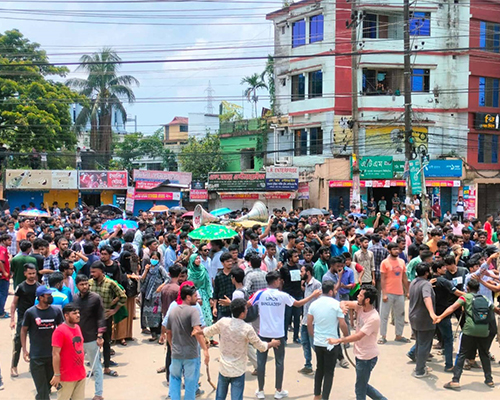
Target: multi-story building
(453, 63)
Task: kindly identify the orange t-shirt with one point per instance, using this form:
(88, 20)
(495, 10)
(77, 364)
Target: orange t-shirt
(394, 269)
(22, 233)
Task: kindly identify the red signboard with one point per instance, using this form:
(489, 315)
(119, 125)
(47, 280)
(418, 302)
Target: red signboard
(198, 195)
(239, 196)
(157, 196)
(391, 183)
(102, 179)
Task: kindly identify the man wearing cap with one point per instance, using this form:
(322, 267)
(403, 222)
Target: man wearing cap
(40, 321)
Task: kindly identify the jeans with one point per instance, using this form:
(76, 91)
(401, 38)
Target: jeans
(364, 369)
(168, 361)
(91, 352)
(469, 344)
(325, 368)
(422, 349)
(42, 372)
(293, 313)
(191, 372)
(4, 293)
(237, 387)
(345, 297)
(447, 335)
(306, 342)
(397, 303)
(106, 346)
(279, 358)
(16, 351)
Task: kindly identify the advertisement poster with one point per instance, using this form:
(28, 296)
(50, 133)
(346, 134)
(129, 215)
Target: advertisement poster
(103, 179)
(303, 193)
(469, 194)
(40, 179)
(129, 201)
(157, 196)
(237, 181)
(198, 195)
(282, 178)
(147, 180)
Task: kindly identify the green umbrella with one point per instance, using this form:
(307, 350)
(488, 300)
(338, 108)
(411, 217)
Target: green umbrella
(212, 232)
(383, 220)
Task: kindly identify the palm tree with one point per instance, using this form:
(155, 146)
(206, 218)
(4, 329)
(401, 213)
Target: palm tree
(105, 91)
(253, 83)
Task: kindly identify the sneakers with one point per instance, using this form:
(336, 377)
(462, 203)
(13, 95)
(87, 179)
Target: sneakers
(411, 357)
(343, 363)
(280, 395)
(260, 394)
(305, 371)
(424, 375)
(199, 392)
(5, 315)
(1, 386)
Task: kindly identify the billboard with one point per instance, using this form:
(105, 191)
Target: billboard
(147, 180)
(102, 179)
(40, 179)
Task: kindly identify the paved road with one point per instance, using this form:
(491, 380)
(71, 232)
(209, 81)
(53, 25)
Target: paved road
(140, 359)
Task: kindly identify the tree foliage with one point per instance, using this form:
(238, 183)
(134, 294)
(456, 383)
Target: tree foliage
(253, 83)
(200, 157)
(34, 110)
(135, 146)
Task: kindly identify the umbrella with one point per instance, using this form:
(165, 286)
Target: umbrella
(125, 224)
(178, 210)
(313, 211)
(248, 223)
(220, 211)
(189, 214)
(383, 220)
(159, 209)
(212, 232)
(110, 207)
(34, 213)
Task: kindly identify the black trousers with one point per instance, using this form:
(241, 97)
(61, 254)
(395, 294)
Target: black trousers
(106, 346)
(469, 345)
(325, 368)
(42, 372)
(168, 361)
(293, 314)
(16, 351)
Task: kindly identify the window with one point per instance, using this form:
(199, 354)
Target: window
(316, 28)
(420, 24)
(487, 149)
(488, 92)
(316, 139)
(382, 81)
(183, 128)
(375, 26)
(247, 160)
(315, 84)
(299, 33)
(298, 87)
(489, 36)
(420, 80)
(300, 142)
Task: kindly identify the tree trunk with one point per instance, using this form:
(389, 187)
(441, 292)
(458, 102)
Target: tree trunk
(105, 136)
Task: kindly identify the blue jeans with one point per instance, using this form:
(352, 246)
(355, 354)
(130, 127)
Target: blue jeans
(364, 369)
(237, 387)
(293, 314)
(447, 335)
(92, 352)
(4, 293)
(191, 371)
(306, 342)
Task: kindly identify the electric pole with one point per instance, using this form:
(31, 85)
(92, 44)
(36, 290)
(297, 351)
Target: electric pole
(356, 188)
(407, 89)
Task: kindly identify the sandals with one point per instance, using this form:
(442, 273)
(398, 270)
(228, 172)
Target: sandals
(402, 339)
(382, 340)
(111, 372)
(490, 384)
(123, 342)
(452, 386)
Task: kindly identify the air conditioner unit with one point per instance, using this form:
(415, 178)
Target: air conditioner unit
(284, 160)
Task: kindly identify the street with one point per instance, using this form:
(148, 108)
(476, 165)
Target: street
(137, 364)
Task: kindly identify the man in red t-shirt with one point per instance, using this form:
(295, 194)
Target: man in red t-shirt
(5, 242)
(68, 356)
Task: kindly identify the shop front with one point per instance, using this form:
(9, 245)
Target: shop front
(102, 187)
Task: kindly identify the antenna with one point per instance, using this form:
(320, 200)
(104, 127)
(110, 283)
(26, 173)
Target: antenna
(210, 97)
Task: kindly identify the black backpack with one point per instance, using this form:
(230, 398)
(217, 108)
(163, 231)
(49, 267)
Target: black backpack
(253, 312)
(480, 310)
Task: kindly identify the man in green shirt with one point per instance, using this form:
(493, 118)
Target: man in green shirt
(382, 205)
(425, 256)
(17, 263)
(475, 334)
(321, 266)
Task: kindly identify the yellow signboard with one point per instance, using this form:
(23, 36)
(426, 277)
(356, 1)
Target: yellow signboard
(390, 140)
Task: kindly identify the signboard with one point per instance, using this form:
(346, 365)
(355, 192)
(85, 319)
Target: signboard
(257, 196)
(303, 192)
(237, 181)
(198, 195)
(443, 169)
(392, 183)
(282, 178)
(239, 196)
(102, 179)
(120, 200)
(40, 179)
(469, 194)
(378, 167)
(129, 201)
(279, 196)
(398, 169)
(415, 176)
(157, 196)
(146, 180)
(487, 121)
(387, 140)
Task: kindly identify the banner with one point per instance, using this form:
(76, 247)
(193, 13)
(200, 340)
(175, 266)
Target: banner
(303, 193)
(415, 176)
(443, 169)
(237, 181)
(129, 201)
(378, 167)
(469, 194)
(102, 179)
(146, 180)
(198, 195)
(392, 183)
(40, 179)
(257, 196)
(157, 196)
(282, 178)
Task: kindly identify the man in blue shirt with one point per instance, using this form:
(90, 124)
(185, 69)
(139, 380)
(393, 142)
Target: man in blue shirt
(56, 286)
(339, 247)
(170, 252)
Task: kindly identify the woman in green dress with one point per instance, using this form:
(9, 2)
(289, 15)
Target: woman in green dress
(198, 274)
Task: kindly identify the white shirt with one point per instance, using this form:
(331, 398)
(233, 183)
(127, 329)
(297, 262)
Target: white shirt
(272, 304)
(326, 312)
(271, 263)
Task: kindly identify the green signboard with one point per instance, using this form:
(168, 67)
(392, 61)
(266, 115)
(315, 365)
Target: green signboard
(379, 167)
(416, 179)
(398, 168)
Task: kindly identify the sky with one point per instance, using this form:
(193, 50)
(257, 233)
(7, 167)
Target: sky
(157, 30)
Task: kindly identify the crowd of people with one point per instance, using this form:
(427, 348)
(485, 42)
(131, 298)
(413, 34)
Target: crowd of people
(318, 281)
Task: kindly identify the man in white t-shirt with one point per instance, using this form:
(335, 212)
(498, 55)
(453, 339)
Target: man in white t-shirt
(323, 321)
(272, 302)
(365, 340)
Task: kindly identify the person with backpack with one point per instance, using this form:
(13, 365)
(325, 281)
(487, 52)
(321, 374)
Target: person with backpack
(475, 333)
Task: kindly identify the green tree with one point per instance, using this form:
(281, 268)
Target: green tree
(34, 110)
(200, 157)
(269, 76)
(105, 90)
(253, 83)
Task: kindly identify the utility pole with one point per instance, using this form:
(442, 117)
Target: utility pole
(407, 97)
(356, 188)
